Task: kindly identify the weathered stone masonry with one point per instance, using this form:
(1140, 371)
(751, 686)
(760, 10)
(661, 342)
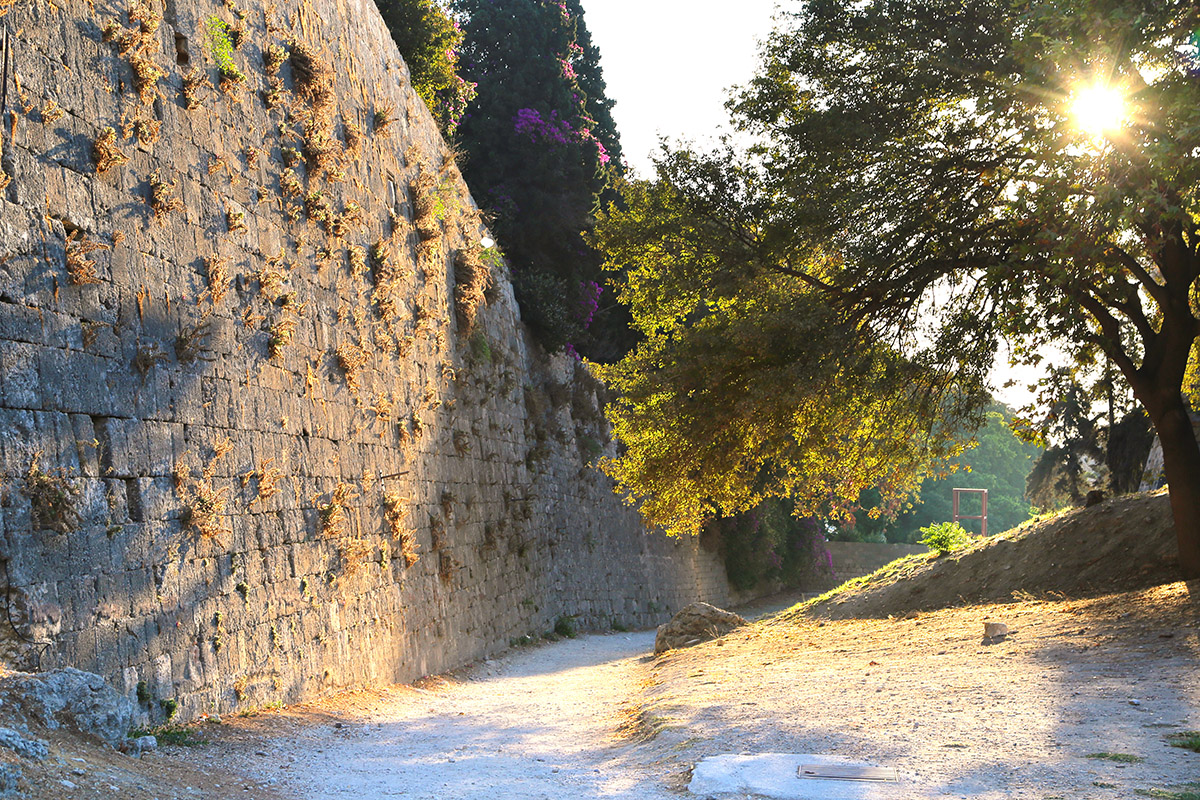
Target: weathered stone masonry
(266, 393)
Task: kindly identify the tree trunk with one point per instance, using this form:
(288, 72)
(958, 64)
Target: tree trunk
(1181, 467)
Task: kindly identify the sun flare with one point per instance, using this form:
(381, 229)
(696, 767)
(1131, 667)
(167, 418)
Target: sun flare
(1098, 109)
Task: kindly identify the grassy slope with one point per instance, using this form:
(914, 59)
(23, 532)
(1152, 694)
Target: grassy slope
(1121, 544)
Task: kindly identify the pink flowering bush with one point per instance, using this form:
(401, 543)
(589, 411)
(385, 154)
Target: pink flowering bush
(429, 40)
(529, 122)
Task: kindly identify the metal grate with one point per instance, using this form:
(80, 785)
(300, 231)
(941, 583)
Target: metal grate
(845, 772)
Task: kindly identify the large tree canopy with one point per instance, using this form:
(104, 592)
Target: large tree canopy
(921, 178)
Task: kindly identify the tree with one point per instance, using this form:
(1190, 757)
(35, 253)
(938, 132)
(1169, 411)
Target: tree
(749, 385)
(999, 462)
(921, 172)
(428, 40)
(1069, 468)
(541, 149)
(996, 460)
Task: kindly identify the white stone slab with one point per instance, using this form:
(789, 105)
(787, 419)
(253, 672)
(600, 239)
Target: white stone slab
(776, 775)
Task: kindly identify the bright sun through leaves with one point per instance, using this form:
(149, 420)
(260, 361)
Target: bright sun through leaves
(1098, 109)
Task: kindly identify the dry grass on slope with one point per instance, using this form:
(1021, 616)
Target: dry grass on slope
(1122, 544)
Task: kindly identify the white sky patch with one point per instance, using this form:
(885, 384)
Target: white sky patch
(669, 63)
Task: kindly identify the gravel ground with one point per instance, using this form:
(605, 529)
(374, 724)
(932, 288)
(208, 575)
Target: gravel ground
(537, 724)
(957, 715)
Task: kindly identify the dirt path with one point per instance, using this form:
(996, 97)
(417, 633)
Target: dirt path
(536, 724)
(1079, 702)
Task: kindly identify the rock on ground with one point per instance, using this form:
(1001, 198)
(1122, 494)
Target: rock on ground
(696, 623)
(69, 698)
(10, 778)
(23, 745)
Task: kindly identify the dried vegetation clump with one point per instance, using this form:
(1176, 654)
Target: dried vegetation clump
(162, 196)
(315, 86)
(193, 343)
(81, 270)
(236, 221)
(446, 567)
(289, 183)
(145, 129)
(138, 44)
(388, 277)
(273, 58)
(195, 85)
(383, 118)
(354, 553)
(51, 497)
(472, 279)
(352, 134)
(268, 478)
(237, 32)
(281, 335)
(105, 151)
(317, 207)
(356, 258)
(217, 271)
(395, 509)
(147, 357)
(335, 513)
(351, 358)
(426, 204)
(50, 111)
(203, 504)
(271, 276)
(275, 95)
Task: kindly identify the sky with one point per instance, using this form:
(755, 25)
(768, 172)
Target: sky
(668, 64)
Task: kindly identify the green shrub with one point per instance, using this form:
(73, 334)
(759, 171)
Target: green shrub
(169, 707)
(768, 543)
(179, 735)
(945, 537)
(566, 626)
(220, 44)
(429, 40)
(481, 349)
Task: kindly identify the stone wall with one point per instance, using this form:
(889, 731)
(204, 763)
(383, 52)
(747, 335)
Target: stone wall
(264, 434)
(855, 559)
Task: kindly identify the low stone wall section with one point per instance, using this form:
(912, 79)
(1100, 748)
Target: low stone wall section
(856, 559)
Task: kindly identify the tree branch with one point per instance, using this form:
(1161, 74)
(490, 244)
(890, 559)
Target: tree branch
(1110, 342)
(1153, 287)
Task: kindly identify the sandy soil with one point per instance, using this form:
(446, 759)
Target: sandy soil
(597, 717)
(958, 715)
(1119, 545)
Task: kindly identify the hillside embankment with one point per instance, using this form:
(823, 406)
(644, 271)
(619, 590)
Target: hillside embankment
(1121, 544)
